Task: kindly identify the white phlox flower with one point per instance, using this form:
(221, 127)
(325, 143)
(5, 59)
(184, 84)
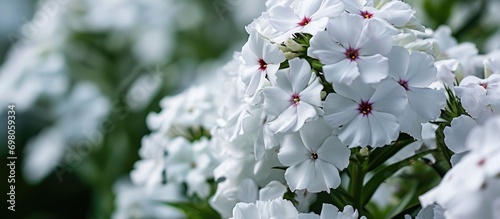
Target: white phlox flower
(367, 115)
(294, 99)
(391, 13)
(415, 72)
(260, 61)
(309, 16)
(350, 48)
(480, 97)
(476, 177)
(314, 157)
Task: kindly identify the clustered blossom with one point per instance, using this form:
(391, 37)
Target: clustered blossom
(317, 80)
(471, 189)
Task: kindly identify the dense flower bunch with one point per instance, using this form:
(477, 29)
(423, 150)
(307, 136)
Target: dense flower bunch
(327, 100)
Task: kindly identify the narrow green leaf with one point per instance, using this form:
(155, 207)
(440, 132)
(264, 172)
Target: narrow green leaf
(383, 172)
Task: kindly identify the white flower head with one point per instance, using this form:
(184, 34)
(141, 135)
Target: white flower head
(352, 48)
(314, 157)
(295, 98)
(260, 60)
(476, 177)
(415, 72)
(366, 115)
(309, 16)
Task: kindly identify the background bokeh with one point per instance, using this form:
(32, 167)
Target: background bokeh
(84, 74)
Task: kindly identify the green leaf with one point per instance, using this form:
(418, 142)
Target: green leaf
(380, 155)
(383, 172)
(405, 201)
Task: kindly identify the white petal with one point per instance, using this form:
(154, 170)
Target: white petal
(305, 112)
(329, 173)
(384, 127)
(299, 75)
(339, 110)
(426, 102)
(245, 211)
(373, 68)
(276, 100)
(344, 71)
(314, 133)
(271, 191)
(399, 59)
(456, 134)
(312, 93)
(421, 70)
(346, 29)
(301, 175)
(329, 211)
(285, 120)
(335, 152)
(247, 191)
(389, 97)
(283, 18)
(356, 132)
(325, 49)
(292, 151)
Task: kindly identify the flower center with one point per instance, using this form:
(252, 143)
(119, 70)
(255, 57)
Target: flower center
(314, 156)
(366, 14)
(295, 99)
(485, 85)
(305, 21)
(404, 84)
(365, 108)
(481, 162)
(263, 65)
(352, 54)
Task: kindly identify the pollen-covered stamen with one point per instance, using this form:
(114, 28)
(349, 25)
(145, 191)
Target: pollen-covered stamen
(366, 14)
(263, 65)
(404, 84)
(314, 155)
(365, 108)
(305, 21)
(352, 54)
(295, 99)
(485, 85)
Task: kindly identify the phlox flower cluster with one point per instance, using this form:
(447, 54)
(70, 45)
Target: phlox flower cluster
(318, 84)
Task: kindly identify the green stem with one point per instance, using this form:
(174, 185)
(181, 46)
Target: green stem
(356, 185)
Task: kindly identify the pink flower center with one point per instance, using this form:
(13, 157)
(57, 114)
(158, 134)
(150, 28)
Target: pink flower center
(481, 162)
(485, 85)
(314, 155)
(351, 54)
(366, 14)
(305, 21)
(365, 108)
(295, 99)
(404, 84)
(263, 65)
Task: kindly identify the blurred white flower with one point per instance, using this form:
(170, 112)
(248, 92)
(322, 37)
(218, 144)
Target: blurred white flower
(475, 176)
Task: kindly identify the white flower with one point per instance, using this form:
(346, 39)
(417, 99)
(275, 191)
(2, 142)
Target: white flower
(351, 48)
(135, 202)
(260, 59)
(366, 115)
(314, 157)
(391, 13)
(415, 72)
(148, 171)
(480, 97)
(309, 16)
(471, 189)
(274, 209)
(329, 211)
(456, 134)
(295, 98)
